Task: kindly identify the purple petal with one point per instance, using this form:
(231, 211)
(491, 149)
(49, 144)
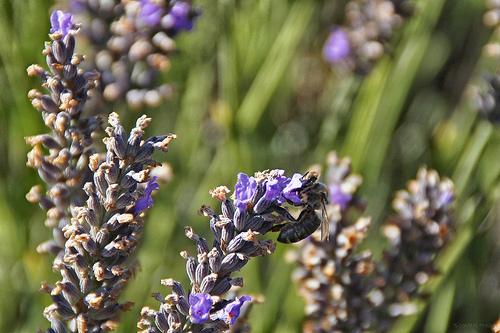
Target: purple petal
(231, 311)
(61, 22)
(243, 191)
(445, 198)
(150, 13)
(289, 192)
(336, 46)
(179, 17)
(200, 307)
(339, 197)
(146, 201)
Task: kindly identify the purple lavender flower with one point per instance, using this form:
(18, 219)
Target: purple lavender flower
(445, 198)
(243, 191)
(146, 201)
(289, 191)
(337, 46)
(232, 310)
(200, 307)
(150, 13)
(179, 17)
(339, 197)
(61, 22)
(275, 187)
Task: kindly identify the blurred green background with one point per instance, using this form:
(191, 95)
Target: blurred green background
(254, 94)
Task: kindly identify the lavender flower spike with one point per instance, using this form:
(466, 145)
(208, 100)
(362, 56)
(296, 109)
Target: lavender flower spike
(337, 46)
(146, 201)
(61, 22)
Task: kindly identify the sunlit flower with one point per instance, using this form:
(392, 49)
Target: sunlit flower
(179, 17)
(146, 201)
(289, 192)
(150, 13)
(338, 196)
(200, 307)
(337, 46)
(243, 191)
(231, 311)
(61, 22)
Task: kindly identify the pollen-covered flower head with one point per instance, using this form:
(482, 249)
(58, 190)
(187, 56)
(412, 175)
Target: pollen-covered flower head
(61, 22)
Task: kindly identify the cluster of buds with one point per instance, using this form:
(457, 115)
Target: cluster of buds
(349, 291)
(485, 96)
(257, 206)
(492, 16)
(424, 224)
(362, 40)
(103, 234)
(64, 168)
(487, 102)
(93, 239)
(130, 45)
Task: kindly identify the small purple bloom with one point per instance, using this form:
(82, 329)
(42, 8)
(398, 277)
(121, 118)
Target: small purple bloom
(146, 201)
(243, 191)
(339, 197)
(179, 17)
(336, 46)
(445, 198)
(150, 13)
(289, 192)
(61, 22)
(200, 307)
(273, 190)
(232, 310)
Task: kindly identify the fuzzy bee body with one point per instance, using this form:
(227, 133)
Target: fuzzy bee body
(313, 195)
(306, 224)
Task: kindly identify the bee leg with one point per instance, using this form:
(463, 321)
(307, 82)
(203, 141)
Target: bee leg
(282, 212)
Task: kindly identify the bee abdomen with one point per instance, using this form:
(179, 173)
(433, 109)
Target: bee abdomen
(306, 224)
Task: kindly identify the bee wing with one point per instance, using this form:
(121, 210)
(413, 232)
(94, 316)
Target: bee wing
(325, 224)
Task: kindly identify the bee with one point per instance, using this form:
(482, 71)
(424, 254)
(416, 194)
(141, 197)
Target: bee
(314, 196)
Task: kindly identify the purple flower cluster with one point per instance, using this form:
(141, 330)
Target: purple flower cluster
(131, 44)
(277, 190)
(150, 13)
(180, 17)
(363, 37)
(257, 206)
(201, 304)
